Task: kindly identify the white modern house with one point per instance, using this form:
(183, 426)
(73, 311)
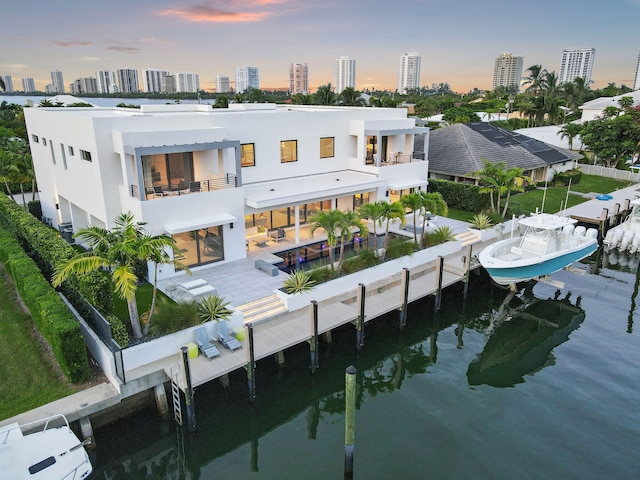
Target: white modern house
(594, 108)
(212, 177)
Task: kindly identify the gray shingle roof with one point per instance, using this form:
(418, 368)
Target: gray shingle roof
(459, 149)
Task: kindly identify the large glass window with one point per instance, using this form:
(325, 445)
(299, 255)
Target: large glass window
(288, 151)
(247, 155)
(173, 171)
(327, 147)
(200, 247)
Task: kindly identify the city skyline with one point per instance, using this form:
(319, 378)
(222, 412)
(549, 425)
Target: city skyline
(214, 37)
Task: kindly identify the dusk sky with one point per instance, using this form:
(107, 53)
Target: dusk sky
(457, 39)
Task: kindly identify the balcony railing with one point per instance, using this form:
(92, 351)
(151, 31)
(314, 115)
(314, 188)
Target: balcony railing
(399, 158)
(186, 188)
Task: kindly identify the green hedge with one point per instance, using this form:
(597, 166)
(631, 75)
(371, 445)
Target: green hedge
(461, 196)
(562, 178)
(47, 248)
(50, 314)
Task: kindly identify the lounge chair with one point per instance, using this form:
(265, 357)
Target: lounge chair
(158, 191)
(225, 337)
(206, 346)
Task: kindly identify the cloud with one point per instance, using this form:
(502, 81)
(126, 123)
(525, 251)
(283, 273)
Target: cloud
(124, 49)
(226, 11)
(71, 43)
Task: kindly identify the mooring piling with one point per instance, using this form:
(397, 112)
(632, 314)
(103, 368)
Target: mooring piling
(439, 277)
(404, 281)
(467, 271)
(362, 294)
(313, 341)
(350, 420)
(251, 364)
(188, 391)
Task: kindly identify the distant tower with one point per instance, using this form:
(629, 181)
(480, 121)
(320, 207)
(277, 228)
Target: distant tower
(298, 78)
(344, 74)
(507, 71)
(187, 82)
(247, 77)
(152, 80)
(128, 80)
(8, 83)
(223, 85)
(576, 62)
(409, 74)
(636, 83)
(28, 84)
(106, 81)
(57, 81)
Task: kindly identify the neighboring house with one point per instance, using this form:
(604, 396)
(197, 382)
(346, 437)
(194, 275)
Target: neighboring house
(551, 134)
(208, 177)
(456, 151)
(594, 108)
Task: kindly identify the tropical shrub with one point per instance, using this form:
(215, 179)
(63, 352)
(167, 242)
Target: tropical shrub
(460, 196)
(298, 281)
(481, 221)
(399, 247)
(364, 259)
(562, 178)
(119, 331)
(213, 307)
(170, 317)
(440, 235)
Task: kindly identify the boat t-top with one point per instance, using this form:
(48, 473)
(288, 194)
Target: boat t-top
(549, 243)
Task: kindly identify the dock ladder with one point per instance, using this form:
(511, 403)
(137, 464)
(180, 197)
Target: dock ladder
(175, 393)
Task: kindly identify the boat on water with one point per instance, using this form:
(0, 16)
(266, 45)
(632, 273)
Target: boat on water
(46, 449)
(626, 236)
(549, 243)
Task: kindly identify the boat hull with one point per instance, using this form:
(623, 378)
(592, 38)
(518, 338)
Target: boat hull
(537, 267)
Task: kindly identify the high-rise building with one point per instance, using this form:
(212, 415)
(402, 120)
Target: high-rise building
(106, 81)
(298, 78)
(169, 84)
(223, 85)
(409, 74)
(576, 62)
(57, 81)
(84, 85)
(187, 82)
(128, 80)
(247, 77)
(636, 82)
(8, 83)
(152, 80)
(344, 74)
(507, 71)
(28, 84)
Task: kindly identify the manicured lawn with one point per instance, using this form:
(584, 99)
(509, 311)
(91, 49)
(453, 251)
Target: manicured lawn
(143, 297)
(27, 377)
(460, 215)
(556, 196)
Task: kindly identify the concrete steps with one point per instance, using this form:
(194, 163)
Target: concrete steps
(468, 238)
(261, 309)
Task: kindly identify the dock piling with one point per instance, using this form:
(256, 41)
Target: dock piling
(404, 280)
(188, 391)
(313, 342)
(362, 291)
(439, 275)
(350, 420)
(467, 270)
(251, 364)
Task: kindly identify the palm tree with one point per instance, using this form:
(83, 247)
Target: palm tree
(413, 201)
(570, 131)
(301, 99)
(118, 250)
(349, 220)
(491, 180)
(325, 95)
(376, 213)
(221, 102)
(514, 181)
(393, 211)
(535, 79)
(8, 169)
(329, 221)
(434, 203)
(351, 97)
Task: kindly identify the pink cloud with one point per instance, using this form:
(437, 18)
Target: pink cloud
(225, 11)
(62, 43)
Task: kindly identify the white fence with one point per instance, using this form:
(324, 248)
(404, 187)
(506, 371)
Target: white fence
(610, 172)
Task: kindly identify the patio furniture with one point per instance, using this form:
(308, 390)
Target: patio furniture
(157, 190)
(206, 346)
(267, 267)
(277, 234)
(225, 337)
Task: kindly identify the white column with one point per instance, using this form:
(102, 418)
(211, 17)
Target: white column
(297, 219)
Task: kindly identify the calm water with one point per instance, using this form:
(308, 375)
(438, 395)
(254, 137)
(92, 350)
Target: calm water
(543, 385)
(99, 101)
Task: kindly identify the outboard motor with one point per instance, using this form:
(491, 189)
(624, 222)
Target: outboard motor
(617, 237)
(591, 233)
(635, 244)
(627, 238)
(579, 231)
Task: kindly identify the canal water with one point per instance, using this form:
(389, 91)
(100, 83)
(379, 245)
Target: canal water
(544, 383)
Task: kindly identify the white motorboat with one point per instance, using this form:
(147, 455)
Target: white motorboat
(549, 243)
(626, 236)
(46, 449)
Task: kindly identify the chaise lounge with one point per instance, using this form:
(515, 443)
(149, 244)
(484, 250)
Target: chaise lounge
(205, 345)
(225, 337)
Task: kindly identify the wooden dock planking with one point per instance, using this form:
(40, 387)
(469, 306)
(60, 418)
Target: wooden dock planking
(293, 328)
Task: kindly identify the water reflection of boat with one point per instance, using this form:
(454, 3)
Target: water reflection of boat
(550, 243)
(522, 340)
